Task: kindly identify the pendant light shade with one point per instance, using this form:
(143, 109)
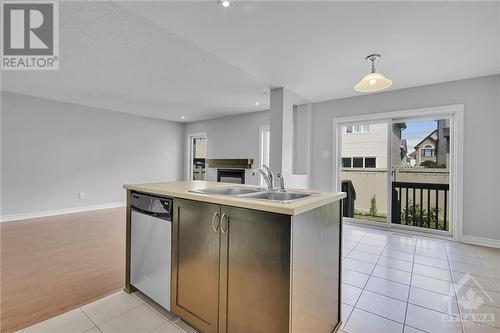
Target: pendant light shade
(373, 81)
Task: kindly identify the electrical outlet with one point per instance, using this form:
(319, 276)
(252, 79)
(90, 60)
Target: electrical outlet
(81, 195)
(326, 153)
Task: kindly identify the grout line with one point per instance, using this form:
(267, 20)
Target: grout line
(409, 288)
(456, 294)
(353, 306)
(86, 315)
(364, 286)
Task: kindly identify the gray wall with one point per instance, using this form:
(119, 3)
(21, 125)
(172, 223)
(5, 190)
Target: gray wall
(51, 151)
(231, 137)
(481, 99)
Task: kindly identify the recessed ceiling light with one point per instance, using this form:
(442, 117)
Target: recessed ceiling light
(224, 3)
(257, 103)
(373, 81)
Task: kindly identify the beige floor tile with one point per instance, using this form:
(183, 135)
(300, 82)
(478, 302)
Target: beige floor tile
(392, 274)
(477, 268)
(111, 306)
(430, 321)
(369, 248)
(433, 301)
(472, 327)
(358, 265)
(74, 321)
(346, 312)
(409, 329)
(184, 327)
(141, 319)
(477, 314)
(402, 265)
(434, 262)
(433, 272)
(350, 294)
(398, 255)
(384, 306)
(435, 285)
(485, 283)
(362, 322)
(93, 330)
(388, 288)
(167, 328)
(354, 278)
(363, 256)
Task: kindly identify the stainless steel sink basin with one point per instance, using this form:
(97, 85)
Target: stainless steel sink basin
(279, 196)
(233, 190)
(257, 193)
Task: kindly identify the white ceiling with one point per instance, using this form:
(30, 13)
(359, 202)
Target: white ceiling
(167, 59)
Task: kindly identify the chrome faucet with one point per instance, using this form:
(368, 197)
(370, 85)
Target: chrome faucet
(282, 182)
(268, 176)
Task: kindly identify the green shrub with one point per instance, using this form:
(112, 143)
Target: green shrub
(373, 206)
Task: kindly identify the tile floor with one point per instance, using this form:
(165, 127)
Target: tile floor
(391, 283)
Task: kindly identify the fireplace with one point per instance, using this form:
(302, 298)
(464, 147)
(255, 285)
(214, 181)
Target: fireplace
(236, 176)
(230, 170)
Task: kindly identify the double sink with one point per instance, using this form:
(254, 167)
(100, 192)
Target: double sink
(258, 193)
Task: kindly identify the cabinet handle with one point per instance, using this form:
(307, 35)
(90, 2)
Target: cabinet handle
(222, 223)
(216, 228)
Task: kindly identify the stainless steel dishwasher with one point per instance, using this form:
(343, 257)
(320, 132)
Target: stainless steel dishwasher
(150, 248)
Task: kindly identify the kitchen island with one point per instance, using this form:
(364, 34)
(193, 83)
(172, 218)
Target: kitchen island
(240, 264)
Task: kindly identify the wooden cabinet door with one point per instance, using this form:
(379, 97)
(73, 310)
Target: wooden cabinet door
(255, 271)
(195, 263)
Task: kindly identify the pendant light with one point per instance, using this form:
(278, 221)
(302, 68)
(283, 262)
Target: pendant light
(373, 81)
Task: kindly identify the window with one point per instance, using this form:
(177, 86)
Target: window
(370, 162)
(428, 151)
(357, 129)
(359, 162)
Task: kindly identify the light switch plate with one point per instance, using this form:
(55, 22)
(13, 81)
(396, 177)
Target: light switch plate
(326, 153)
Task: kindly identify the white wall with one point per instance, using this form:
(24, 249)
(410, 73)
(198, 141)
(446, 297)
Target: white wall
(481, 99)
(230, 137)
(51, 151)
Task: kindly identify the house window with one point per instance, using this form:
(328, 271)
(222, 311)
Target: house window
(428, 151)
(370, 162)
(359, 162)
(357, 129)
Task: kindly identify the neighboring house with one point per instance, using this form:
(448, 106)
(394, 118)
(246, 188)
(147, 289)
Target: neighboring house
(365, 146)
(435, 147)
(425, 150)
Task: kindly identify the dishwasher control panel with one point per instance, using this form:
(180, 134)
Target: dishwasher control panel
(156, 206)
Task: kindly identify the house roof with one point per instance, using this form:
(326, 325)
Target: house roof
(429, 136)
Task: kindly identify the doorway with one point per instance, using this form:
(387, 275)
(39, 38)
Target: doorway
(197, 154)
(264, 149)
(401, 169)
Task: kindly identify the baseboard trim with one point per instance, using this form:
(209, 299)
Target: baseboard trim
(34, 215)
(481, 241)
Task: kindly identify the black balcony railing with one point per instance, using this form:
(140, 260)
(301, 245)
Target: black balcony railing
(420, 204)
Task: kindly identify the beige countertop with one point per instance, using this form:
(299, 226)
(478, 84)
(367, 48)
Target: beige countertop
(182, 190)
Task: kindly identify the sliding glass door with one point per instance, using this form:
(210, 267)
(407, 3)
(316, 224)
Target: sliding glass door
(421, 175)
(364, 168)
(396, 172)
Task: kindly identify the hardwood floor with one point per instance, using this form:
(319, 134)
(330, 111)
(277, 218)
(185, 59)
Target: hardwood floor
(53, 264)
